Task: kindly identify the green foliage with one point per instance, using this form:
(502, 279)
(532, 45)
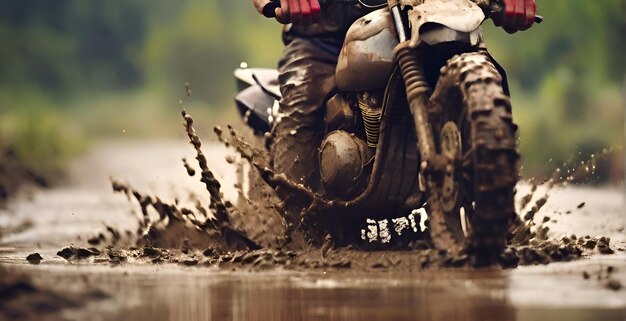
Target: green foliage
(64, 47)
(73, 48)
(41, 143)
(203, 46)
(566, 75)
(101, 63)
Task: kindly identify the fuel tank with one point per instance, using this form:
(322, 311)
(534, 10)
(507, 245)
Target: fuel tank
(366, 58)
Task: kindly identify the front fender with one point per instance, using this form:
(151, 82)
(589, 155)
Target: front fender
(463, 16)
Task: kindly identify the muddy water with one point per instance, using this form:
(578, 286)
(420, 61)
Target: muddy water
(77, 211)
(174, 293)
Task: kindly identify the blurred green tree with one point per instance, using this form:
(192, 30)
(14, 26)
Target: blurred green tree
(62, 55)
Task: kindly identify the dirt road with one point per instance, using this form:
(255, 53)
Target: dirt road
(45, 221)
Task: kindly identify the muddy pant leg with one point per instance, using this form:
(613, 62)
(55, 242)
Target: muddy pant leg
(306, 75)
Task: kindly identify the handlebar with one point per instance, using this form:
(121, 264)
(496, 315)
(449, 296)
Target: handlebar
(269, 10)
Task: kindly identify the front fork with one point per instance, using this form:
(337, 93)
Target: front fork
(433, 165)
(417, 89)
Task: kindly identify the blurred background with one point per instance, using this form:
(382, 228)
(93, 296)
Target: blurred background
(73, 72)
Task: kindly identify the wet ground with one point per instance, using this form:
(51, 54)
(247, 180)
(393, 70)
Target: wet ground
(45, 221)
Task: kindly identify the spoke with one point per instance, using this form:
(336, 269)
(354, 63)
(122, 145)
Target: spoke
(467, 178)
(466, 160)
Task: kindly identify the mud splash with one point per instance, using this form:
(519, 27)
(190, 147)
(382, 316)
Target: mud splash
(261, 232)
(199, 227)
(227, 236)
(524, 227)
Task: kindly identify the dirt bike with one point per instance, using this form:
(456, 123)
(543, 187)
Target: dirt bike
(421, 115)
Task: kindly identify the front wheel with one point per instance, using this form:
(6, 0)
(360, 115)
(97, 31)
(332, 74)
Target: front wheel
(476, 133)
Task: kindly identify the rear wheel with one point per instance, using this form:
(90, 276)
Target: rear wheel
(477, 135)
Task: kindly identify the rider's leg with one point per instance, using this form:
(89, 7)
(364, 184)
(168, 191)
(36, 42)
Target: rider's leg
(306, 79)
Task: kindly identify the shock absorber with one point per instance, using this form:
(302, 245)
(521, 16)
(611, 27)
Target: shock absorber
(417, 92)
(371, 113)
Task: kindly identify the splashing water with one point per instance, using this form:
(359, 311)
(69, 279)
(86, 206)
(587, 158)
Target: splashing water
(263, 232)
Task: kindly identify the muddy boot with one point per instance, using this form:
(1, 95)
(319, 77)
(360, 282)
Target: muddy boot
(294, 153)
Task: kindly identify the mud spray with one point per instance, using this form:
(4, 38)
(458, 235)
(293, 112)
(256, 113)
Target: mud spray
(260, 233)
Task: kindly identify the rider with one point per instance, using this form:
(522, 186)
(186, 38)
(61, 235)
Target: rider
(313, 35)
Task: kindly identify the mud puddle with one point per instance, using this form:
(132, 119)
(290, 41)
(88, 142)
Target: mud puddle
(23, 299)
(167, 292)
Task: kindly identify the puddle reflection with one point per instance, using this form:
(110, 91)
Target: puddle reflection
(244, 299)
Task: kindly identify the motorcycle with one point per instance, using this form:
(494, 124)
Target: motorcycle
(421, 115)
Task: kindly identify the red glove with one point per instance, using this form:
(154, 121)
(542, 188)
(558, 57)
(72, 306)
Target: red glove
(298, 12)
(517, 15)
